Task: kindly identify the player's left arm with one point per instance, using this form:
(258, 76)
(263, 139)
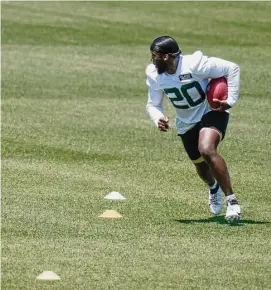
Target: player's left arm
(218, 68)
(213, 67)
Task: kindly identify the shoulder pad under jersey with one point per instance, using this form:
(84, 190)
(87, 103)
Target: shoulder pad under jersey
(197, 62)
(151, 70)
(152, 74)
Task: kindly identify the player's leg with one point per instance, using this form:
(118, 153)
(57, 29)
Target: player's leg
(190, 141)
(209, 139)
(204, 171)
(214, 128)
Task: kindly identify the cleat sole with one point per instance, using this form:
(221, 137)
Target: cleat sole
(233, 218)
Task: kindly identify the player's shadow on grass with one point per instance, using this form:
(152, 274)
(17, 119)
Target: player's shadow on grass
(221, 220)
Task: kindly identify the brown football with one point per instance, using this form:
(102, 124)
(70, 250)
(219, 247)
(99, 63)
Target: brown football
(217, 89)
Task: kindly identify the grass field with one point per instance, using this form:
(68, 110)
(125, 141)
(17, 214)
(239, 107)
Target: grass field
(74, 128)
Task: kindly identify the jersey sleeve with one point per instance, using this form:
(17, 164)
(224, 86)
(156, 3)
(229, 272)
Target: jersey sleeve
(154, 105)
(214, 67)
(220, 67)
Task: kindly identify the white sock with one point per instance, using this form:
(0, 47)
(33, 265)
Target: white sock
(230, 197)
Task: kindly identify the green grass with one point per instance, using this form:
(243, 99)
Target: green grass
(74, 128)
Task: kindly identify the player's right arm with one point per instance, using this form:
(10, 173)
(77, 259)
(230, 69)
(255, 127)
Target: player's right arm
(154, 105)
(154, 108)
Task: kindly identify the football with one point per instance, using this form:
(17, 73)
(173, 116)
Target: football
(217, 89)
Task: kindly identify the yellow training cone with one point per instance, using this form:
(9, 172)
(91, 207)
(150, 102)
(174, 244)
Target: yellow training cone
(110, 214)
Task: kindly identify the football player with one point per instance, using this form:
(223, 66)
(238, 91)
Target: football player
(183, 79)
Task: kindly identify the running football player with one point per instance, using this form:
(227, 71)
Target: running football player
(183, 79)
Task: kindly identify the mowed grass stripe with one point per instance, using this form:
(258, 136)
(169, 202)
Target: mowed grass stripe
(108, 23)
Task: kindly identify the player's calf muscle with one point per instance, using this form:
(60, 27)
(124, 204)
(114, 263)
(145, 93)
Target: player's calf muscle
(205, 172)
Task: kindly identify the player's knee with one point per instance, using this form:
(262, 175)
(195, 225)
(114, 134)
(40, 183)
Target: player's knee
(207, 151)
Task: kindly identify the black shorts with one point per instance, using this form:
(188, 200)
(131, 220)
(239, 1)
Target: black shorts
(213, 119)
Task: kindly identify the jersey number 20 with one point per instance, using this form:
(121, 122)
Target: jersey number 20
(182, 93)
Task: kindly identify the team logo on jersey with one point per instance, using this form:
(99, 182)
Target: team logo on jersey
(185, 77)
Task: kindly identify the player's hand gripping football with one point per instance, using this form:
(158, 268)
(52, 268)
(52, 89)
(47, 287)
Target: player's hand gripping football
(163, 124)
(221, 105)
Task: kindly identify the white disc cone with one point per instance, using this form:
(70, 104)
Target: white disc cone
(48, 275)
(114, 195)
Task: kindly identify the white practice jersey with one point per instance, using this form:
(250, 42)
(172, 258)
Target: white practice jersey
(186, 89)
